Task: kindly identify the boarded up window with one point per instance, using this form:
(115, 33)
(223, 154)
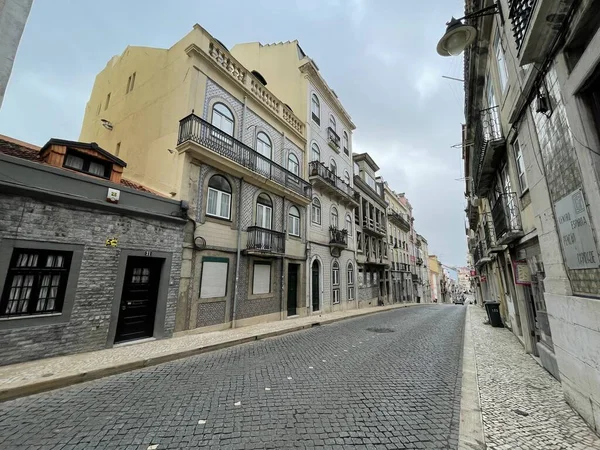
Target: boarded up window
(261, 283)
(214, 277)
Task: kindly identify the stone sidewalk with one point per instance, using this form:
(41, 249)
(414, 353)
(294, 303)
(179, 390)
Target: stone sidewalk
(27, 378)
(522, 405)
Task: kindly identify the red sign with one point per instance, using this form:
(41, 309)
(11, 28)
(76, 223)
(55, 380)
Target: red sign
(473, 273)
(483, 278)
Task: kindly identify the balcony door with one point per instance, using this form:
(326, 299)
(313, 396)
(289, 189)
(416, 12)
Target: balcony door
(511, 200)
(264, 148)
(264, 219)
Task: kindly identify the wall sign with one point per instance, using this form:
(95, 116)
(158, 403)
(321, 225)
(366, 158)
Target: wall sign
(522, 272)
(575, 232)
(111, 242)
(483, 278)
(113, 195)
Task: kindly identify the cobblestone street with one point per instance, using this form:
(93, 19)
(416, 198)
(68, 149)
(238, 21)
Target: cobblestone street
(522, 405)
(389, 380)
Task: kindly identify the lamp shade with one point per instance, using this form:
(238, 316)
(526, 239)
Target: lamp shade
(458, 36)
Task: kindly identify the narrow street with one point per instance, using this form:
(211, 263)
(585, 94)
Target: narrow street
(389, 380)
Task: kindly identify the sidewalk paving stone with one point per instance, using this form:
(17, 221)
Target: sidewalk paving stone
(36, 376)
(512, 384)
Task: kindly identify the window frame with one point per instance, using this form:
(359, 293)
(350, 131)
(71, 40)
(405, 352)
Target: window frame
(216, 260)
(290, 216)
(262, 263)
(6, 251)
(220, 194)
(520, 163)
(332, 123)
(349, 225)
(346, 143)
(213, 109)
(293, 159)
(315, 105)
(335, 273)
(347, 177)
(87, 160)
(316, 207)
(334, 214)
(350, 280)
(313, 151)
(500, 61)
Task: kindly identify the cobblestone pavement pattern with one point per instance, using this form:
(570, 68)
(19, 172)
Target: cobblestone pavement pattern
(352, 384)
(522, 405)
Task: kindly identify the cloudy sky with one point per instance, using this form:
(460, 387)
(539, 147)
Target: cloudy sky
(378, 55)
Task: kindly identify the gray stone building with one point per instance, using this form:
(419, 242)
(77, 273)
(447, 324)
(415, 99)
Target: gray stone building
(88, 260)
(370, 219)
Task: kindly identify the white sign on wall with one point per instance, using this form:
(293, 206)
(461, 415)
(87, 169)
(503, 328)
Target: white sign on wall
(575, 232)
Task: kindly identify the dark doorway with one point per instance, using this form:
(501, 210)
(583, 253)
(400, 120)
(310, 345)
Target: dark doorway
(138, 300)
(315, 286)
(292, 291)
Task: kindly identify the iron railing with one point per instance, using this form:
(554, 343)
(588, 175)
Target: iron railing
(193, 128)
(333, 138)
(404, 267)
(520, 16)
(488, 231)
(488, 129)
(419, 261)
(506, 216)
(265, 240)
(318, 169)
(338, 237)
(398, 219)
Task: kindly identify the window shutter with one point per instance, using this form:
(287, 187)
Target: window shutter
(214, 279)
(262, 279)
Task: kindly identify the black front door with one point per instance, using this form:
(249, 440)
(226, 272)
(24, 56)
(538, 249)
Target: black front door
(292, 291)
(315, 286)
(138, 300)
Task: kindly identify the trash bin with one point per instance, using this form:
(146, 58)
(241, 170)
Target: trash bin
(493, 312)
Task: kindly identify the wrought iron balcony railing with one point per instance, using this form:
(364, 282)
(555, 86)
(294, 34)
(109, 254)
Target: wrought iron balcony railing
(398, 219)
(487, 130)
(193, 128)
(265, 240)
(318, 169)
(337, 237)
(507, 218)
(520, 16)
(419, 261)
(333, 139)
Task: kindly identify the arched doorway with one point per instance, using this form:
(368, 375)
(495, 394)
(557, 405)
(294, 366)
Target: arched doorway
(315, 286)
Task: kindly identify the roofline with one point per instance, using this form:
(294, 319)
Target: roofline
(365, 156)
(18, 142)
(87, 145)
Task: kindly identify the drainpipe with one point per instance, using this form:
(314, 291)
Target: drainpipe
(283, 292)
(238, 256)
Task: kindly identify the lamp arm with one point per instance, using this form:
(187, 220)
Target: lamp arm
(490, 10)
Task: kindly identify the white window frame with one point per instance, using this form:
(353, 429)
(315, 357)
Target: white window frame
(294, 222)
(335, 218)
(520, 162)
(335, 273)
(220, 195)
(314, 149)
(293, 164)
(210, 270)
(501, 61)
(254, 274)
(315, 211)
(336, 296)
(332, 123)
(216, 113)
(349, 225)
(315, 108)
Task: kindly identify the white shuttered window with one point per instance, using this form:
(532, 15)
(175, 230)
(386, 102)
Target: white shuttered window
(214, 279)
(261, 283)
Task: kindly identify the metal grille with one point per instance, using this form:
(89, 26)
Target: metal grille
(265, 240)
(506, 215)
(35, 283)
(520, 15)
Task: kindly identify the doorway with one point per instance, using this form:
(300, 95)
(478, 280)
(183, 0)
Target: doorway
(292, 290)
(138, 299)
(315, 292)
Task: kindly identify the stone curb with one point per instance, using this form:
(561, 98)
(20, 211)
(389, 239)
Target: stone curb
(38, 386)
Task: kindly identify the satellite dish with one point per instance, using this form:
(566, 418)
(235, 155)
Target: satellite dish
(106, 124)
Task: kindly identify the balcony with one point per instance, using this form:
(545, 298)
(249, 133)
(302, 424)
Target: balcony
(371, 225)
(480, 255)
(265, 242)
(415, 277)
(507, 218)
(220, 149)
(419, 261)
(489, 145)
(328, 181)
(338, 238)
(333, 139)
(490, 234)
(399, 220)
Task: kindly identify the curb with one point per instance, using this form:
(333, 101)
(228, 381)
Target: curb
(71, 379)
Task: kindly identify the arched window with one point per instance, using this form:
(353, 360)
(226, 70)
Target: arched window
(265, 148)
(219, 197)
(347, 177)
(316, 109)
(264, 211)
(316, 211)
(332, 123)
(350, 280)
(333, 167)
(222, 118)
(334, 217)
(315, 154)
(293, 165)
(349, 225)
(345, 143)
(294, 221)
(335, 281)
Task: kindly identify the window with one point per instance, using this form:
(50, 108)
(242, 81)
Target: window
(350, 279)
(347, 177)
(264, 211)
(349, 225)
(333, 167)
(294, 221)
(345, 143)
(219, 197)
(35, 283)
(293, 165)
(222, 118)
(520, 165)
(356, 168)
(263, 147)
(261, 283)
(335, 273)
(214, 277)
(107, 101)
(370, 181)
(82, 162)
(316, 109)
(315, 154)
(334, 217)
(316, 211)
(130, 83)
(502, 71)
(336, 296)
(332, 123)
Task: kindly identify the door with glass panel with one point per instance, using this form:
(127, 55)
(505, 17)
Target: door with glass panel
(264, 149)
(264, 219)
(222, 122)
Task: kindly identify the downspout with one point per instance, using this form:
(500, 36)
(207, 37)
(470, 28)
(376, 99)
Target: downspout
(238, 256)
(283, 292)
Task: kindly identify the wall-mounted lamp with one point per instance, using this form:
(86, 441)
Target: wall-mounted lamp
(106, 124)
(459, 35)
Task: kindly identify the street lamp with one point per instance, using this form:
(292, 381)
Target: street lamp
(459, 35)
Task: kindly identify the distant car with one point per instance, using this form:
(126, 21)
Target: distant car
(459, 301)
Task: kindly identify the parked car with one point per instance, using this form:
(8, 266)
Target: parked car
(459, 300)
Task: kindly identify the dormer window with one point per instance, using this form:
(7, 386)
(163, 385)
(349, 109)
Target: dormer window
(84, 163)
